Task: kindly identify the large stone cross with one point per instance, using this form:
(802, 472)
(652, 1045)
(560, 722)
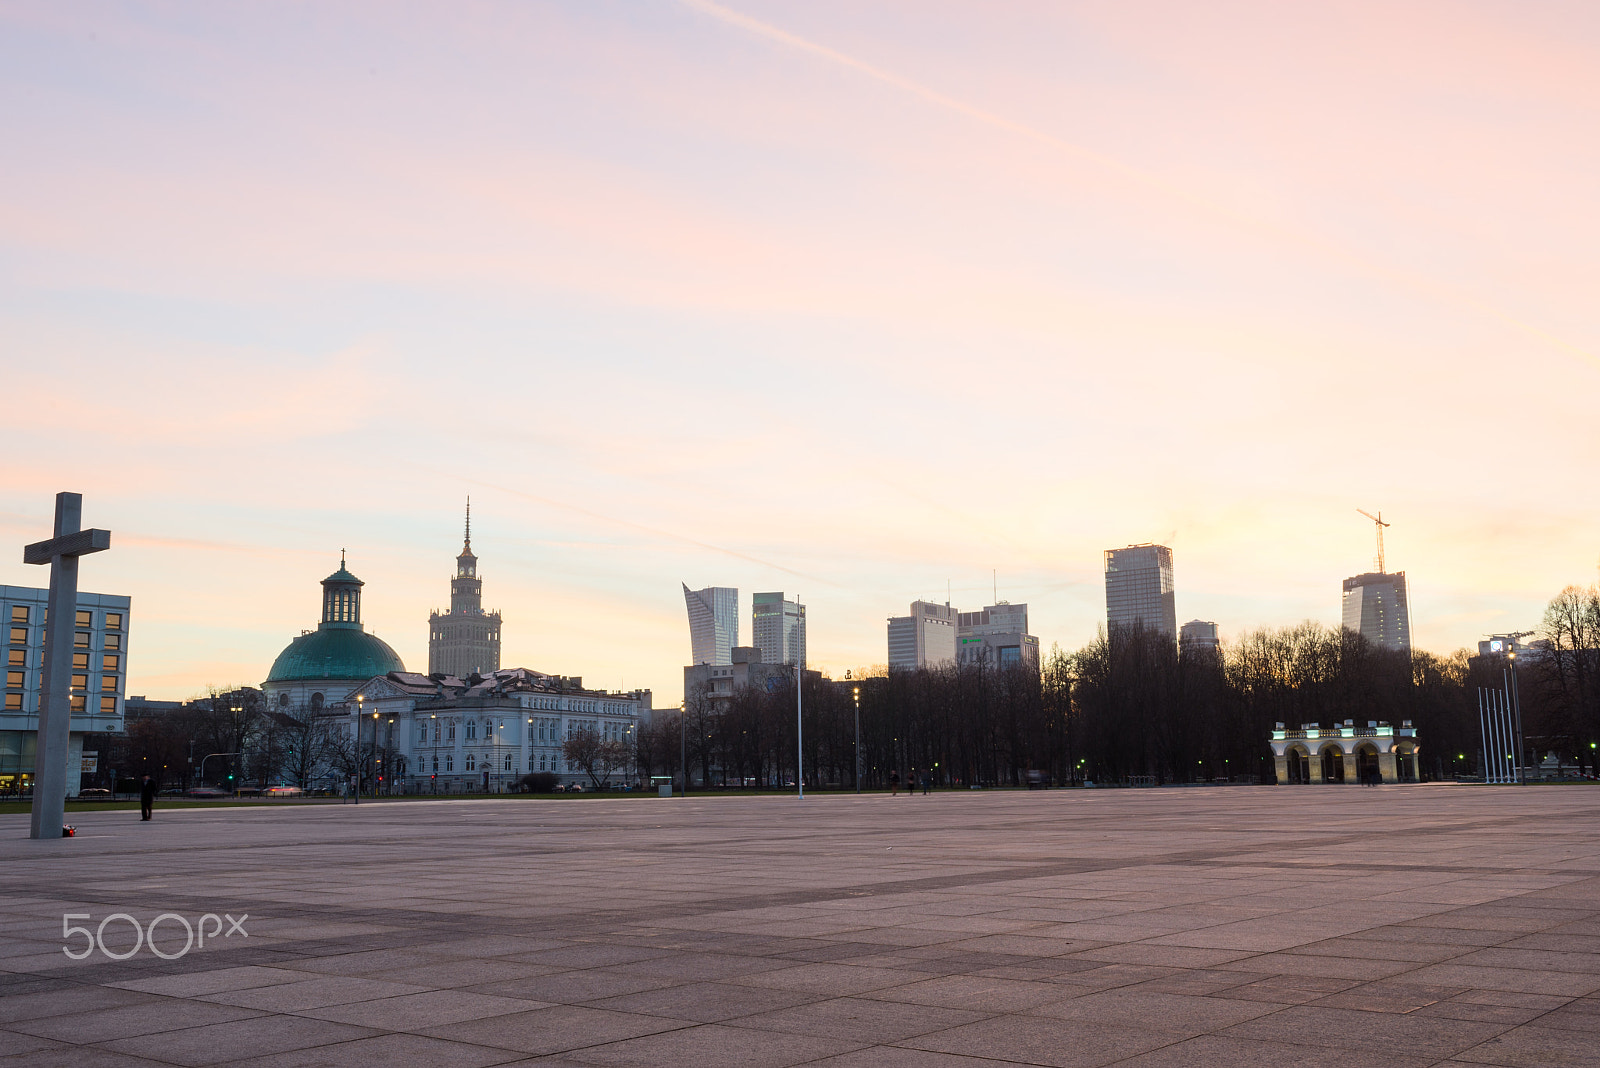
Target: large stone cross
(55, 703)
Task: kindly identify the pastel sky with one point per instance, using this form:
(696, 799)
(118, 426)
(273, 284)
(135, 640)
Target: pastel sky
(857, 301)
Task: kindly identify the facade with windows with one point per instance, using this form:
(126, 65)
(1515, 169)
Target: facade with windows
(926, 637)
(443, 734)
(998, 636)
(778, 628)
(713, 623)
(97, 685)
(1140, 590)
(1198, 636)
(1374, 606)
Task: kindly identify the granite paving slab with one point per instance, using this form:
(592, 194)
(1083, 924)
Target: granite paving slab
(1237, 926)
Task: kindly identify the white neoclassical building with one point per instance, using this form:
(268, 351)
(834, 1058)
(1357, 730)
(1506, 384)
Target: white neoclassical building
(1345, 753)
(444, 734)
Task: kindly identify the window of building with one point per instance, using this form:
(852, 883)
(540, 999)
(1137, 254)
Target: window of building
(449, 762)
(110, 662)
(19, 613)
(472, 762)
(13, 702)
(14, 679)
(451, 734)
(113, 621)
(17, 657)
(80, 661)
(80, 682)
(113, 641)
(508, 762)
(19, 635)
(85, 619)
(79, 702)
(108, 705)
(80, 639)
(108, 684)
(436, 765)
(422, 734)
(472, 732)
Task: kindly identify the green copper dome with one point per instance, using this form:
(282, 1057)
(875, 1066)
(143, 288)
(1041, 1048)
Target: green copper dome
(335, 652)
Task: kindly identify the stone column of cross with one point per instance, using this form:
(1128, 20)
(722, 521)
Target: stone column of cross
(55, 704)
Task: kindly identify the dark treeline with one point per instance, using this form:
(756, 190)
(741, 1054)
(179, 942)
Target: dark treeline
(1130, 704)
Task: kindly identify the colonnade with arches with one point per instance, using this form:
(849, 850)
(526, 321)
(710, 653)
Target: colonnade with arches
(1346, 754)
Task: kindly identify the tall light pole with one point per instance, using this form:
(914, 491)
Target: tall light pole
(1516, 712)
(683, 743)
(355, 749)
(856, 693)
(799, 725)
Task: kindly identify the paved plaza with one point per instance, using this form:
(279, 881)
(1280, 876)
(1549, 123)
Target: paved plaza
(1238, 926)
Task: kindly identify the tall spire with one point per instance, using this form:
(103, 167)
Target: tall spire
(466, 548)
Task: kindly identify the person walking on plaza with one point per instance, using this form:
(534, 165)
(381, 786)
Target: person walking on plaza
(147, 797)
(894, 783)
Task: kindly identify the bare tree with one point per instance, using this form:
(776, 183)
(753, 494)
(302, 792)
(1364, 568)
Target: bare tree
(595, 756)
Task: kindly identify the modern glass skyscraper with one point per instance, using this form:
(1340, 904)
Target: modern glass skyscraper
(779, 628)
(1139, 588)
(713, 623)
(1375, 607)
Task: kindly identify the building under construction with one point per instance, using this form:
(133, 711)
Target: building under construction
(1375, 604)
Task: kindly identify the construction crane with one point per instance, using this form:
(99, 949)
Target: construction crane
(1378, 519)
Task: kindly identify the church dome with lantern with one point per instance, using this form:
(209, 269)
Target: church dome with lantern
(324, 666)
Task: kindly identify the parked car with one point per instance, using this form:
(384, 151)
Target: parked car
(94, 793)
(208, 791)
(575, 788)
(284, 790)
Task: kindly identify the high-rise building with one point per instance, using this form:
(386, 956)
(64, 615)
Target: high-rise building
(466, 639)
(1375, 607)
(778, 628)
(713, 623)
(1198, 635)
(925, 638)
(998, 635)
(96, 688)
(1139, 588)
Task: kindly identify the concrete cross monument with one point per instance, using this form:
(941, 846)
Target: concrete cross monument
(55, 704)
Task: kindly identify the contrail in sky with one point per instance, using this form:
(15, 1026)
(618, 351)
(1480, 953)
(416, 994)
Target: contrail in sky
(1134, 174)
(653, 531)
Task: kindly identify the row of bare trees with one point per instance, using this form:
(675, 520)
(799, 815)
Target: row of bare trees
(229, 737)
(1131, 704)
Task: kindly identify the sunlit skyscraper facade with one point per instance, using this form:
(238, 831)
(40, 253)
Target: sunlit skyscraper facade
(713, 623)
(779, 629)
(1375, 607)
(924, 638)
(1139, 588)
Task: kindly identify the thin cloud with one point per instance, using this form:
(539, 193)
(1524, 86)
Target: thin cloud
(653, 531)
(1140, 177)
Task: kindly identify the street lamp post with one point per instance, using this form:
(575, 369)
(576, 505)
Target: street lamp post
(683, 744)
(355, 748)
(856, 693)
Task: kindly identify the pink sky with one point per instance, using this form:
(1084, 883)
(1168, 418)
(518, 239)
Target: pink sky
(846, 300)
